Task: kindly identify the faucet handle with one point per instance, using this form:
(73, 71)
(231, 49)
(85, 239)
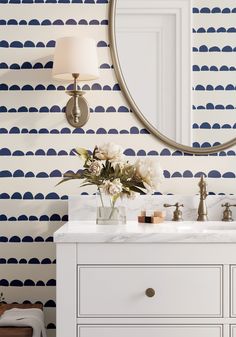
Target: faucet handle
(177, 215)
(227, 214)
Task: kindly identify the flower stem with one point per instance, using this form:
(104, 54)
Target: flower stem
(111, 203)
(112, 211)
(102, 202)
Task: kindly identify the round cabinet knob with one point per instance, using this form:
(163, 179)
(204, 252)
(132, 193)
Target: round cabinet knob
(150, 292)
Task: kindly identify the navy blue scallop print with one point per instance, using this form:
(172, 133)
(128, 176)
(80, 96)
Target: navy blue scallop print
(213, 68)
(57, 108)
(50, 87)
(214, 10)
(215, 30)
(48, 22)
(211, 106)
(27, 283)
(214, 49)
(228, 87)
(40, 44)
(38, 65)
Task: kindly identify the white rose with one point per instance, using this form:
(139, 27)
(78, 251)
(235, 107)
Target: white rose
(113, 187)
(95, 167)
(109, 151)
(150, 172)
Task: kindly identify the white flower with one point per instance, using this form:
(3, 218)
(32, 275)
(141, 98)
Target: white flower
(113, 187)
(109, 151)
(95, 167)
(150, 172)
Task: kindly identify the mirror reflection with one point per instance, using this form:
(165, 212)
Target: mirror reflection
(173, 73)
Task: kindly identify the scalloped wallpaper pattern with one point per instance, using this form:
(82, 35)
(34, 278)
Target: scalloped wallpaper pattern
(36, 142)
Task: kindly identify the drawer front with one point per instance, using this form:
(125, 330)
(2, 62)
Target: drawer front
(150, 331)
(233, 291)
(180, 291)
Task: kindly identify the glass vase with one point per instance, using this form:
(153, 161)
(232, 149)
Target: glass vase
(109, 214)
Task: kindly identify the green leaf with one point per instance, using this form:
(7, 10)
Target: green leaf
(94, 153)
(117, 170)
(136, 189)
(139, 184)
(86, 184)
(63, 181)
(69, 176)
(73, 175)
(83, 153)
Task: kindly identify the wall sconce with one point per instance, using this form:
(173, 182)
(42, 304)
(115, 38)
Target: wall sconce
(76, 58)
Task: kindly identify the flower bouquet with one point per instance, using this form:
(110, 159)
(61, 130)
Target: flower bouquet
(115, 178)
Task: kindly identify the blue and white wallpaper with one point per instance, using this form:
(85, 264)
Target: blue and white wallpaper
(36, 141)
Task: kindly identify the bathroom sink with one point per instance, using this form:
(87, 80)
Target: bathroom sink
(223, 227)
(195, 226)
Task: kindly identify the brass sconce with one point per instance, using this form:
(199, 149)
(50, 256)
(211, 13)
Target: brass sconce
(76, 58)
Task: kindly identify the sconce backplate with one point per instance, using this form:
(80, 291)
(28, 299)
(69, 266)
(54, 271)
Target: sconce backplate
(84, 112)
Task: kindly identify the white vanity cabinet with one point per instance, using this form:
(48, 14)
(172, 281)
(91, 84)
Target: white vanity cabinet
(140, 281)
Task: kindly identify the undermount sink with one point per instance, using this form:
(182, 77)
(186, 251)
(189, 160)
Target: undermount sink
(195, 226)
(223, 227)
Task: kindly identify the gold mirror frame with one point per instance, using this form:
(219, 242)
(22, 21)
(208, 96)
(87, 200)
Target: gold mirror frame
(134, 107)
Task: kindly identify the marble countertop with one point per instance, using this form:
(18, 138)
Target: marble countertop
(132, 232)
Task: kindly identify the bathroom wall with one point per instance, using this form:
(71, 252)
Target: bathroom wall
(36, 141)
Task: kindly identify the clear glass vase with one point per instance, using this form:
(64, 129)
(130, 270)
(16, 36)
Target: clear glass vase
(109, 214)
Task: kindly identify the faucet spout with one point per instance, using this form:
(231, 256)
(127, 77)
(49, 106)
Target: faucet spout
(202, 208)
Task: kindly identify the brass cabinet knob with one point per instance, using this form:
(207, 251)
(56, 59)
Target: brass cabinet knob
(150, 292)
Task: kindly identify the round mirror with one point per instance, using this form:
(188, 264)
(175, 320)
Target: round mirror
(152, 54)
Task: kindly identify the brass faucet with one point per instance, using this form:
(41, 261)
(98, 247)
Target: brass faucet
(227, 214)
(202, 208)
(177, 215)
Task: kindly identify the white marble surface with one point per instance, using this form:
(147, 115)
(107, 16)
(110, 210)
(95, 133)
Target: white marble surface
(182, 232)
(84, 207)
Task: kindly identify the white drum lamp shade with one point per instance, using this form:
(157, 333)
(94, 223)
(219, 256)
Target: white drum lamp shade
(75, 55)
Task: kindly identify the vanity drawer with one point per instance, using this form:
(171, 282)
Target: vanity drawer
(180, 291)
(151, 331)
(233, 291)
